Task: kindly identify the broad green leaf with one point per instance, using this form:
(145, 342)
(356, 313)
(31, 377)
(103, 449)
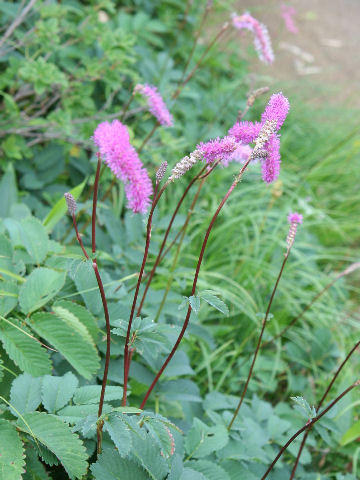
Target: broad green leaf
(111, 466)
(76, 413)
(6, 253)
(84, 278)
(209, 297)
(11, 452)
(81, 354)
(41, 286)
(24, 351)
(202, 440)
(59, 439)
(35, 470)
(74, 323)
(148, 454)
(190, 474)
(210, 470)
(25, 395)
(57, 391)
(352, 434)
(8, 191)
(9, 293)
(60, 209)
(91, 394)
(127, 410)
(119, 433)
(34, 239)
(82, 314)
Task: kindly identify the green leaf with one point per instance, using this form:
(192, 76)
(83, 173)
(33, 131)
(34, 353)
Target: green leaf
(35, 470)
(194, 301)
(112, 466)
(57, 391)
(59, 439)
(73, 323)
(11, 452)
(60, 209)
(127, 410)
(8, 191)
(81, 354)
(210, 470)
(24, 351)
(84, 278)
(25, 395)
(352, 434)
(34, 239)
(202, 440)
(9, 293)
(76, 413)
(303, 407)
(82, 314)
(91, 394)
(148, 454)
(119, 433)
(41, 286)
(190, 474)
(209, 297)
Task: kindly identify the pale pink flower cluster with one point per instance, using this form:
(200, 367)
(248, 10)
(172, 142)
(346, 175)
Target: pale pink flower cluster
(155, 103)
(294, 219)
(246, 132)
(217, 149)
(117, 152)
(288, 12)
(262, 40)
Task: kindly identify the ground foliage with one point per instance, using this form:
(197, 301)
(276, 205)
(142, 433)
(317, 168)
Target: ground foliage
(68, 66)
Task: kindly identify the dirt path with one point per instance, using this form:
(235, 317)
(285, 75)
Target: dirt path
(322, 60)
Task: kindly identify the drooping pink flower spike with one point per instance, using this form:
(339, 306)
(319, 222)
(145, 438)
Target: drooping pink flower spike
(155, 103)
(288, 12)
(277, 109)
(262, 40)
(120, 156)
(217, 149)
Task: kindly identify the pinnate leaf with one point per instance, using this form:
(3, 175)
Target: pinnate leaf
(112, 466)
(11, 452)
(25, 394)
(57, 391)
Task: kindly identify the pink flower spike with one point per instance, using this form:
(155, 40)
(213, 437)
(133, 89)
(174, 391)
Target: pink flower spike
(271, 164)
(262, 40)
(121, 157)
(277, 109)
(245, 132)
(218, 149)
(241, 154)
(155, 103)
(287, 12)
(295, 218)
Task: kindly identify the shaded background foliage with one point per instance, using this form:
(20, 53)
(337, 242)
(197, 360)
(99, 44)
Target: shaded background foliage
(67, 67)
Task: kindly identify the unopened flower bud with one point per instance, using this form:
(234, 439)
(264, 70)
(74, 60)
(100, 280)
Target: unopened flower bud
(161, 171)
(70, 203)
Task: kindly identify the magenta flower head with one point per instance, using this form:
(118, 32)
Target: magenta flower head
(277, 109)
(117, 152)
(287, 12)
(262, 40)
(294, 219)
(217, 149)
(270, 165)
(240, 155)
(245, 132)
(155, 103)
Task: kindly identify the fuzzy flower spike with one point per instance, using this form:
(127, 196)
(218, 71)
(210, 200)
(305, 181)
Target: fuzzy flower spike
(115, 148)
(294, 219)
(262, 40)
(155, 103)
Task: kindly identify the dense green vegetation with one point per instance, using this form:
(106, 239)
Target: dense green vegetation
(64, 69)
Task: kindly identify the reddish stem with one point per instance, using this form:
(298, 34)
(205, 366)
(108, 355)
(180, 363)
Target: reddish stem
(308, 425)
(95, 195)
(319, 406)
(259, 341)
(147, 244)
(159, 257)
(171, 354)
(79, 239)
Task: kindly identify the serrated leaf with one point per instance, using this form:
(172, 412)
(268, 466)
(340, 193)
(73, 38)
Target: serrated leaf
(210, 470)
(194, 302)
(303, 407)
(59, 209)
(190, 474)
(9, 293)
(80, 354)
(112, 466)
(25, 394)
(162, 436)
(149, 457)
(73, 323)
(209, 297)
(119, 433)
(202, 440)
(84, 278)
(73, 414)
(25, 352)
(8, 190)
(91, 394)
(11, 452)
(82, 314)
(127, 410)
(57, 391)
(35, 470)
(59, 439)
(41, 286)
(34, 239)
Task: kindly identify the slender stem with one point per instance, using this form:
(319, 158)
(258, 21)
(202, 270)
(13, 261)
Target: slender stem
(149, 135)
(79, 239)
(171, 354)
(95, 195)
(199, 62)
(309, 425)
(350, 269)
(319, 406)
(147, 244)
(196, 39)
(178, 250)
(125, 109)
(259, 341)
(159, 258)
